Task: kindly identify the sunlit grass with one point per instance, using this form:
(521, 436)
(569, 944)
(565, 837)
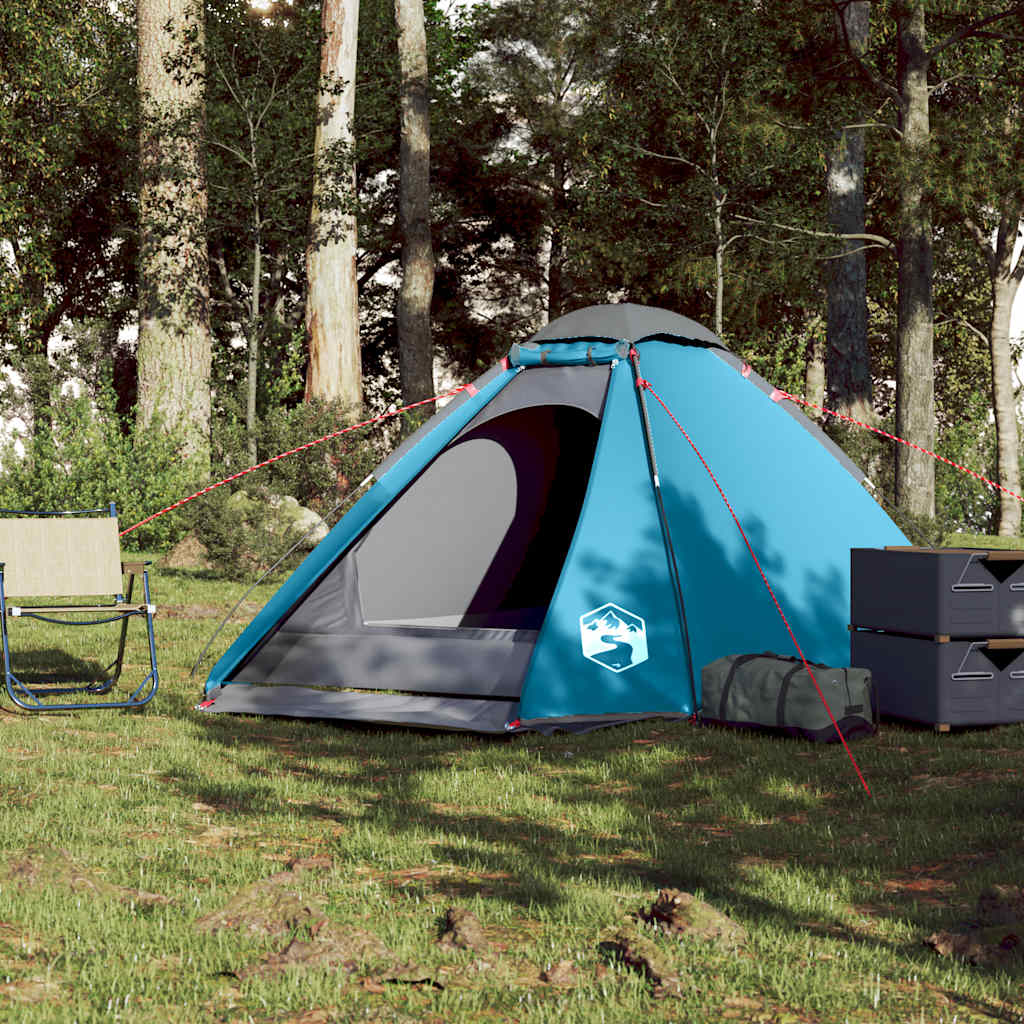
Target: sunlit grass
(121, 831)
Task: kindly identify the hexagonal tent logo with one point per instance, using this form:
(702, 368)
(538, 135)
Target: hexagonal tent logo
(613, 637)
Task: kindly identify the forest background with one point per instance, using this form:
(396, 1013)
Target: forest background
(242, 225)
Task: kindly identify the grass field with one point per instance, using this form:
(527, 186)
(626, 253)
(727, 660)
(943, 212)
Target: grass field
(166, 866)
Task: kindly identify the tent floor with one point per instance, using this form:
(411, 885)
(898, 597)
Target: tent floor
(486, 716)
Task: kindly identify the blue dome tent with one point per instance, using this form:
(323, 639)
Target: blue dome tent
(548, 552)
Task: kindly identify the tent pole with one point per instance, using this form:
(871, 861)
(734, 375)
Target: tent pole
(673, 567)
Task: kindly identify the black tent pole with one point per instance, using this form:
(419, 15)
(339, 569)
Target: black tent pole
(673, 567)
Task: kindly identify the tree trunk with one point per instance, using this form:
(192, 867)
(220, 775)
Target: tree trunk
(847, 364)
(332, 303)
(415, 352)
(814, 374)
(720, 264)
(556, 255)
(174, 349)
(915, 370)
(1006, 279)
(252, 377)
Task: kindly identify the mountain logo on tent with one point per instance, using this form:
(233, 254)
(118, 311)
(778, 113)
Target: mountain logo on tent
(613, 637)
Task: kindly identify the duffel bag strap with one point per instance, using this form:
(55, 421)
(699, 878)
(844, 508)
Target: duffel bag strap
(743, 659)
(780, 707)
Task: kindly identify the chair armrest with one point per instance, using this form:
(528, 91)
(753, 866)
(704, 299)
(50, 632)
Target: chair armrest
(134, 567)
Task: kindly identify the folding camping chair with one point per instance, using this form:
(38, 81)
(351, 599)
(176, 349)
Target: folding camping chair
(60, 555)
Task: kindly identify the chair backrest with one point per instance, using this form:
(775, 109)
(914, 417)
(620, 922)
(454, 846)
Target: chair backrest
(60, 557)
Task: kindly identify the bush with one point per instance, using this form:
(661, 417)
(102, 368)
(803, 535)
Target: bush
(237, 523)
(83, 459)
(318, 476)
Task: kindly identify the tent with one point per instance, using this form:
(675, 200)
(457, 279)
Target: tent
(548, 552)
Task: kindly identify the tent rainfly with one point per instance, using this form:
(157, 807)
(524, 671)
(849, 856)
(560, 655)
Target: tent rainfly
(548, 552)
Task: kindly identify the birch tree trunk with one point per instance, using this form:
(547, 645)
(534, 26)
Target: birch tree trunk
(174, 348)
(1005, 275)
(915, 370)
(847, 364)
(332, 304)
(415, 352)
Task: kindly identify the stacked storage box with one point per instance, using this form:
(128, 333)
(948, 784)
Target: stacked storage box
(942, 631)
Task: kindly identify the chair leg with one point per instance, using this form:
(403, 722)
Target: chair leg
(27, 698)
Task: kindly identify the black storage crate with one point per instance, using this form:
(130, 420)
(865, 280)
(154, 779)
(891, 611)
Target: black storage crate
(959, 682)
(954, 592)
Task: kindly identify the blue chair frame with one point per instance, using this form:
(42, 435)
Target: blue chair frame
(34, 696)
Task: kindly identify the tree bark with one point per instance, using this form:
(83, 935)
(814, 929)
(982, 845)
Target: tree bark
(332, 303)
(915, 370)
(847, 363)
(814, 374)
(415, 352)
(174, 348)
(1006, 278)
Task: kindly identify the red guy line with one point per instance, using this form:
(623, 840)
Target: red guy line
(293, 451)
(647, 386)
(901, 440)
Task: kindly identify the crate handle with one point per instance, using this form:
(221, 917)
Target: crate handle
(971, 588)
(961, 674)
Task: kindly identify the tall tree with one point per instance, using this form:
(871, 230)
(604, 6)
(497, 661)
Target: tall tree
(415, 354)
(910, 92)
(981, 112)
(542, 65)
(915, 323)
(67, 178)
(847, 363)
(174, 349)
(332, 304)
(263, 67)
(687, 154)
(1006, 272)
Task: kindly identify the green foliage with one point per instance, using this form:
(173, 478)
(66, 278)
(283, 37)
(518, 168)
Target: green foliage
(240, 531)
(318, 476)
(86, 460)
(67, 167)
(263, 68)
(780, 356)
(237, 522)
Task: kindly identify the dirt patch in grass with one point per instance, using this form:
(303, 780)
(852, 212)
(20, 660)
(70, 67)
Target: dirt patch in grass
(321, 946)
(21, 948)
(244, 612)
(638, 952)
(462, 930)
(958, 780)
(272, 906)
(50, 869)
(37, 989)
(447, 881)
(681, 915)
(995, 938)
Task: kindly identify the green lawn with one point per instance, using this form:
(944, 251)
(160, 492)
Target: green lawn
(158, 864)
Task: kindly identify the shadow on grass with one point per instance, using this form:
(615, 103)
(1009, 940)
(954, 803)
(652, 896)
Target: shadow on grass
(38, 665)
(728, 816)
(760, 826)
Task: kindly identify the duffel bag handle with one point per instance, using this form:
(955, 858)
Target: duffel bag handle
(741, 659)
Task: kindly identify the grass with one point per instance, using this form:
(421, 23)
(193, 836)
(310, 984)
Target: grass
(978, 540)
(123, 834)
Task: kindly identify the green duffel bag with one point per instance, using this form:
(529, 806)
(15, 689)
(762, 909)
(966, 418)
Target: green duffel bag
(771, 692)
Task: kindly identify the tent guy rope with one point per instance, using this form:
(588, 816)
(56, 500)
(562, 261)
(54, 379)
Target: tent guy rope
(294, 451)
(646, 385)
(779, 394)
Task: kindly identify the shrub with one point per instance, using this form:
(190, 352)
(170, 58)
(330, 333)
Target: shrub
(318, 476)
(82, 459)
(237, 523)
